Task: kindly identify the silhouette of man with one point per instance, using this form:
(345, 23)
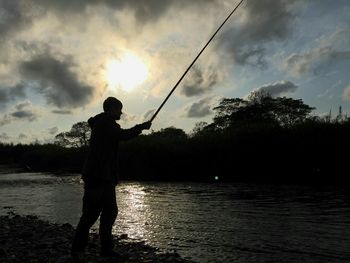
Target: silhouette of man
(100, 176)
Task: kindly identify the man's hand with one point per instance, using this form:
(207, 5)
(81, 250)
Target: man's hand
(146, 125)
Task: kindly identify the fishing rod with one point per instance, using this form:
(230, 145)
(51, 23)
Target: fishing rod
(190, 66)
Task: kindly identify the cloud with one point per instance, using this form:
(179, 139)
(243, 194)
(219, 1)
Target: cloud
(200, 81)
(13, 17)
(53, 130)
(56, 81)
(23, 111)
(22, 15)
(144, 10)
(328, 51)
(3, 96)
(128, 117)
(200, 109)
(277, 89)
(95, 32)
(261, 22)
(148, 115)
(4, 137)
(5, 119)
(11, 93)
(346, 93)
(23, 114)
(61, 111)
(22, 105)
(315, 60)
(22, 136)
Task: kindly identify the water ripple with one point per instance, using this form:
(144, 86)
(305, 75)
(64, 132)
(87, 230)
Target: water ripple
(206, 222)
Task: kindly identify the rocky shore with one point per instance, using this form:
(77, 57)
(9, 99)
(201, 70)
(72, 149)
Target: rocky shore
(29, 239)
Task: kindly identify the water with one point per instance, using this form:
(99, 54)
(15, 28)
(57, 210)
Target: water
(205, 222)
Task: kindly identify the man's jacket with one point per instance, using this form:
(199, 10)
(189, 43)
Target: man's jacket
(101, 164)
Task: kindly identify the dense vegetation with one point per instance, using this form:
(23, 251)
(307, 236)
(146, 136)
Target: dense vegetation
(260, 138)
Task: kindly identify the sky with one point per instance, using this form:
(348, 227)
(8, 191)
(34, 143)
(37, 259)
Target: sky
(59, 59)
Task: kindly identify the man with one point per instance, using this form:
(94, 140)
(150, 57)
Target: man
(100, 177)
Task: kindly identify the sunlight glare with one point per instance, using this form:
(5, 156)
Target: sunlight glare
(126, 73)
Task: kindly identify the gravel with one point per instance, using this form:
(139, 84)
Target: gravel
(30, 239)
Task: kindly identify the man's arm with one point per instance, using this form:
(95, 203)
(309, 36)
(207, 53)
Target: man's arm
(127, 134)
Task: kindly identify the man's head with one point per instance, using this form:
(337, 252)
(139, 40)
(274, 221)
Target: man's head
(113, 106)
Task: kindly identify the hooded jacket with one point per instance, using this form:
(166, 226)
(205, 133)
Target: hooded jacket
(101, 164)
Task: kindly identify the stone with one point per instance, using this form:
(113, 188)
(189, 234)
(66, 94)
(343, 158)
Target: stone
(29, 239)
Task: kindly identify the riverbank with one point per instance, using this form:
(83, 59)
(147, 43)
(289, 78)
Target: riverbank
(29, 239)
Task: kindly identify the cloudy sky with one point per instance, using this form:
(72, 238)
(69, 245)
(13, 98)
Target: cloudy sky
(59, 59)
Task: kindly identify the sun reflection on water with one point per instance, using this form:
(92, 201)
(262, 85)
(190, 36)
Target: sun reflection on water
(134, 212)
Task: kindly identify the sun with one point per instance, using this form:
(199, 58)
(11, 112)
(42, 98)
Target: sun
(126, 73)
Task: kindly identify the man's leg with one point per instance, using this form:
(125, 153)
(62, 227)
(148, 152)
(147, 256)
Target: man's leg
(107, 219)
(92, 206)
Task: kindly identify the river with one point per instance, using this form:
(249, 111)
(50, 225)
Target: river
(205, 222)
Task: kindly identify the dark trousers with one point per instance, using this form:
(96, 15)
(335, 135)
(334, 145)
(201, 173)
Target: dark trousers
(98, 200)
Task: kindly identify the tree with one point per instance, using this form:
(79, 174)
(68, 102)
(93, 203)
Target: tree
(261, 108)
(78, 136)
(236, 111)
(61, 139)
(171, 133)
(198, 128)
(202, 128)
(227, 111)
(288, 112)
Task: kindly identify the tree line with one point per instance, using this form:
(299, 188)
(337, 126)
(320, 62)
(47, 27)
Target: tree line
(260, 138)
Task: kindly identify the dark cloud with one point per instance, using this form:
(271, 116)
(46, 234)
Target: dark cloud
(8, 94)
(17, 91)
(263, 21)
(144, 10)
(23, 114)
(200, 81)
(17, 15)
(200, 109)
(326, 51)
(12, 17)
(278, 88)
(3, 96)
(57, 81)
(316, 61)
(22, 111)
(61, 111)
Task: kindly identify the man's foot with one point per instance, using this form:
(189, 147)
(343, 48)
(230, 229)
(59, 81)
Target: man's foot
(78, 256)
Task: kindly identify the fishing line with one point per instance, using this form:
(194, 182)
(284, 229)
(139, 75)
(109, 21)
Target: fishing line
(178, 82)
